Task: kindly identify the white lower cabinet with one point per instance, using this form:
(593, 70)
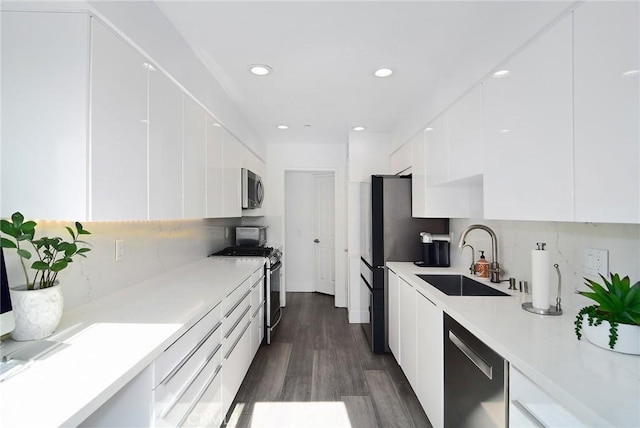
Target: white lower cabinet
(530, 406)
(196, 379)
(394, 314)
(430, 359)
(408, 337)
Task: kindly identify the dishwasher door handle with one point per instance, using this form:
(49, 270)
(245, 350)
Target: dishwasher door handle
(472, 355)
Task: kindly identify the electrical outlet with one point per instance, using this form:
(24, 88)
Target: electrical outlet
(596, 262)
(119, 250)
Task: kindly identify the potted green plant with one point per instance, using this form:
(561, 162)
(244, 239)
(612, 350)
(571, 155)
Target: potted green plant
(618, 303)
(38, 303)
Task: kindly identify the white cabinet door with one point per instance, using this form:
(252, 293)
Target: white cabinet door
(437, 157)
(118, 128)
(214, 169)
(44, 115)
(231, 190)
(165, 147)
(394, 314)
(607, 124)
(430, 360)
(528, 150)
(194, 152)
(400, 160)
(408, 337)
(464, 124)
(418, 175)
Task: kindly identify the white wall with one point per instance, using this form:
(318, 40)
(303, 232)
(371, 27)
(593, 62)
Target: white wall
(299, 231)
(309, 157)
(151, 248)
(565, 241)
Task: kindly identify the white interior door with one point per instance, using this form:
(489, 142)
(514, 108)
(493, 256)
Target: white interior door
(324, 233)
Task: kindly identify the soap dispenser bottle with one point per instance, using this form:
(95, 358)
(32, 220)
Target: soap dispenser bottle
(482, 266)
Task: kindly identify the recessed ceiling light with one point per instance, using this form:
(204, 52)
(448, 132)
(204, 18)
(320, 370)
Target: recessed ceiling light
(501, 73)
(260, 69)
(505, 131)
(283, 127)
(383, 72)
(307, 126)
(429, 129)
(217, 125)
(630, 73)
(358, 128)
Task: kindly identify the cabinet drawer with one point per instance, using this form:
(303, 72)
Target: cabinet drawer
(176, 414)
(234, 367)
(257, 276)
(174, 384)
(257, 297)
(179, 350)
(230, 321)
(207, 411)
(235, 330)
(530, 406)
(234, 298)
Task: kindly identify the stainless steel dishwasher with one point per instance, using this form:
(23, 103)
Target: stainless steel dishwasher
(476, 381)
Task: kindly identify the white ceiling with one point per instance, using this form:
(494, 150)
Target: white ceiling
(324, 53)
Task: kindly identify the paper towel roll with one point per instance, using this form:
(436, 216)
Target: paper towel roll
(540, 278)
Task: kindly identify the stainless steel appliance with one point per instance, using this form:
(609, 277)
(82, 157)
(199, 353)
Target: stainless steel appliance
(388, 233)
(251, 236)
(273, 281)
(476, 381)
(252, 189)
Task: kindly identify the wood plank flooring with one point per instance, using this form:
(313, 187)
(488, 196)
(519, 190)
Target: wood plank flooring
(320, 372)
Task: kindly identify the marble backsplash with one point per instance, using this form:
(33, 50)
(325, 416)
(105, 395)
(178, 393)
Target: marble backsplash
(150, 248)
(565, 241)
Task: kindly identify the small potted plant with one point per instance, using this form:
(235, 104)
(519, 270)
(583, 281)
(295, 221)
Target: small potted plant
(38, 303)
(618, 305)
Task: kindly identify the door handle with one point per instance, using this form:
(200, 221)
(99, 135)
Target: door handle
(317, 241)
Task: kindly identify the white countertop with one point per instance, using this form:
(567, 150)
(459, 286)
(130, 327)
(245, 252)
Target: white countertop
(102, 345)
(598, 386)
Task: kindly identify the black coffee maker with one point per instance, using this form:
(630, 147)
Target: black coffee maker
(435, 250)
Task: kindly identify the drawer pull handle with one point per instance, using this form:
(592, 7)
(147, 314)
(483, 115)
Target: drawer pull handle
(199, 396)
(238, 303)
(527, 414)
(177, 368)
(237, 322)
(194, 324)
(476, 359)
(237, 340)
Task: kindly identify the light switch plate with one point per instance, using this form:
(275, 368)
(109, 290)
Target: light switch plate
(119, 250)
(596, 262)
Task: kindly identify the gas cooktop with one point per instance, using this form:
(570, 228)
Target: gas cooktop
(246, 251)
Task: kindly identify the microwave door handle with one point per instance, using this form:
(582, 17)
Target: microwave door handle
(259, 192)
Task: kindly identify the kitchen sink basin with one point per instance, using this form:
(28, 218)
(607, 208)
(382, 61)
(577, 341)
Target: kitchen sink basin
(460, 285)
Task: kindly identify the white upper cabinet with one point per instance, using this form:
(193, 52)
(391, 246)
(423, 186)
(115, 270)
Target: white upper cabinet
(231, 175)
(400, 160)
(528, 150)
(437, 152)
(214, 169)
(194, 159)
(418, 176)
(607, 116)
(44, 109)
(165, 147)
(464, 124)
(118, 128)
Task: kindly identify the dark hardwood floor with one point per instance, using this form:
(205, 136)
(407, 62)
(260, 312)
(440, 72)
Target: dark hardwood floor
(320, 372)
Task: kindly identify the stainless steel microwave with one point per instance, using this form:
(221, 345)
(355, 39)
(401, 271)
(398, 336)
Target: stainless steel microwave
(252, 189)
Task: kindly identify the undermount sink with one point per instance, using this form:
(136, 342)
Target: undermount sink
(460, 285)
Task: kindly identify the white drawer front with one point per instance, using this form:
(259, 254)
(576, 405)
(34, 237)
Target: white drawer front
(180, 349)
(180, 378)
(236, 329)
(177, 413)
(208, 410)
(530, 406)
(257, 275)
(233, 298)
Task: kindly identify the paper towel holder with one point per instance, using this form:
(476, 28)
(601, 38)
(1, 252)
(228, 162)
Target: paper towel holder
(553, 310)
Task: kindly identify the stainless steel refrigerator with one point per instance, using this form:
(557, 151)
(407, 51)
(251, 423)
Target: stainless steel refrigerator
(388, 233)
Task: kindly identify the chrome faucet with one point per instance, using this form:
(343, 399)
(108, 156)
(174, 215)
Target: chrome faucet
(472, 266)
(494, 267)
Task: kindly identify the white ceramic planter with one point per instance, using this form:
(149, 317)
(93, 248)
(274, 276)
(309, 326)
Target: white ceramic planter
(628, 337)
(37, 312)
